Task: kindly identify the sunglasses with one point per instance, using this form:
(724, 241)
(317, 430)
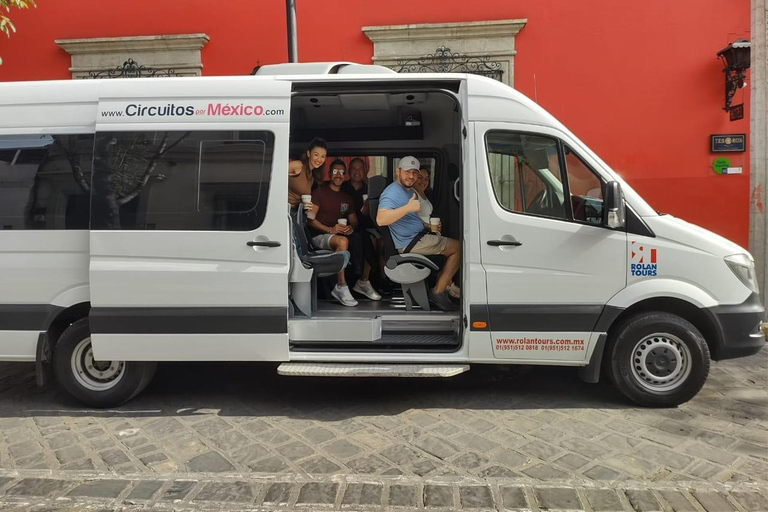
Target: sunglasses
(338, 171)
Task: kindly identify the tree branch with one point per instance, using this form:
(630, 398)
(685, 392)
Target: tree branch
(74, 163)
(162, 150)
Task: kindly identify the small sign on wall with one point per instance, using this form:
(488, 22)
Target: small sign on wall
(721, 164)
(736, 112)
(728, 142)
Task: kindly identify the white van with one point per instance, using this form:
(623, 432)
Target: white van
(146, 220)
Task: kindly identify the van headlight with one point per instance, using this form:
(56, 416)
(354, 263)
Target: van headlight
(744, 268)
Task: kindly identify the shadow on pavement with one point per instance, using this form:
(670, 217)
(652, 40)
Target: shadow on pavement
(255, 389)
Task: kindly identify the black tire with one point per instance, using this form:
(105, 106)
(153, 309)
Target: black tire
(96, 384)
(657, 359)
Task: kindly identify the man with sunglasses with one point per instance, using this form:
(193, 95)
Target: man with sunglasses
(334, 229)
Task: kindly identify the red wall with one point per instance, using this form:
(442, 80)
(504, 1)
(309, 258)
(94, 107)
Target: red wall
(637, 81)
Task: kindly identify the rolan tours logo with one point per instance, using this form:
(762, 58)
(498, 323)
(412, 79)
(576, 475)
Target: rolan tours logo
(643, 260)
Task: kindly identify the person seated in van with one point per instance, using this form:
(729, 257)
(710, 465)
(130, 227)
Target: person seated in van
(425, 214)
(421, 185)
(399, 209)
(305, 174)
(357, 187)
(334, 226)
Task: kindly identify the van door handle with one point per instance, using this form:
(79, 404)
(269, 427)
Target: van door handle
(499, 243)
(268, 243)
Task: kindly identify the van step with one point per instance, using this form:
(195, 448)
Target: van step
(445, 338)
(420, 323)
(406, 339)
(337, 329)
(370, 370)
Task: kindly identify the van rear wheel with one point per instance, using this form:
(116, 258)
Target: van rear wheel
(658, 359)
(96, 383)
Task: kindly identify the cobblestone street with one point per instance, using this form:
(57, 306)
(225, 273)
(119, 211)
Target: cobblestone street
(223, 437)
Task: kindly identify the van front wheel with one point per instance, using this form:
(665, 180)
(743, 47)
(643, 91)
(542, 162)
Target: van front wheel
(92, 382)
(658, 359)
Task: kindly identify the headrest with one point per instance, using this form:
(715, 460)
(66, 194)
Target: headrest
(376, 185)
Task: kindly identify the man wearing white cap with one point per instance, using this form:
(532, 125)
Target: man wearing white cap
(399, 209)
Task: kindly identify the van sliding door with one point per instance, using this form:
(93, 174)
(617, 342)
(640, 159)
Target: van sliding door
(189, 242)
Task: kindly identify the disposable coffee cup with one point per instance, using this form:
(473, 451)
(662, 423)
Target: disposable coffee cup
(343, 222)
(434, 224)
(305, 200)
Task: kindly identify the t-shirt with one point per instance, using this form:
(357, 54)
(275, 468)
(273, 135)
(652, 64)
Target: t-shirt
(357, 195)
(425, 209)
(364, 221)
(333, 205)
(409, 225)
(298, 186)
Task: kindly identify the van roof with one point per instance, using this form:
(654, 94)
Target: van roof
(484, 93)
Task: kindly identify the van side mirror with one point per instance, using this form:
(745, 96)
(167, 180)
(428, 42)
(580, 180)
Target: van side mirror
(615, 215)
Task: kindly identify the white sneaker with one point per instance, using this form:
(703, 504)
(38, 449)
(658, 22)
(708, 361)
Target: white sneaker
(454, 291)
(365, 288)
(342, 294)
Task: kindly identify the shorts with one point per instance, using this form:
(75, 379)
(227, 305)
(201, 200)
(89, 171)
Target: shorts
(322, 242)
(429, 245)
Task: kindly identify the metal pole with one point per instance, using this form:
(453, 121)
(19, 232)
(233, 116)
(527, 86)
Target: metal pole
(290, 18)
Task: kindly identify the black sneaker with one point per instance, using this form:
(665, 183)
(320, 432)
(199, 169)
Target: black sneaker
(442, 301)
(386, 287)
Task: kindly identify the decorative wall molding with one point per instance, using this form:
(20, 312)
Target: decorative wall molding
(98, 56)
(758, 168)
(492, 39)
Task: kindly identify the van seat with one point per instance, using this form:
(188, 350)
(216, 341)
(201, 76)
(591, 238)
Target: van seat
(322, 263)
(308, 265)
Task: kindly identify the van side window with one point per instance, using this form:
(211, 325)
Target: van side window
(377, 166)
(586, 190)
(206, 181)
(45, 181)
(525, 173)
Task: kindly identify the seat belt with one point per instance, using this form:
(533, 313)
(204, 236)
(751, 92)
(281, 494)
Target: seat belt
(415, 240)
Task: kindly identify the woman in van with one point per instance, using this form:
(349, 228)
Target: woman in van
(305, 174)
(425, 205)
(425, 213)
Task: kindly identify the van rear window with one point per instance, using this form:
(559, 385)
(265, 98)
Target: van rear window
(45, 181)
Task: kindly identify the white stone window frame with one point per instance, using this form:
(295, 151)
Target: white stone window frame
(395, 44)
(177, 54)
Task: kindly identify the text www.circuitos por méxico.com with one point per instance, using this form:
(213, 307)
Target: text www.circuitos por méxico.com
(174, 110)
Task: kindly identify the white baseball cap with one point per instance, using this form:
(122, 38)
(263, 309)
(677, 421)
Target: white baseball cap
(409, 163)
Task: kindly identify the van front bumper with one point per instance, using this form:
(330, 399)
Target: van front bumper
(740, 327)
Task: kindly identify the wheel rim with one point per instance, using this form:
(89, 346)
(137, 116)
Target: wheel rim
(661, 362)
(95, 375)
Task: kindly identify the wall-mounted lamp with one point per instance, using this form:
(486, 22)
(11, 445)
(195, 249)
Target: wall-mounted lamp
(736, 59)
